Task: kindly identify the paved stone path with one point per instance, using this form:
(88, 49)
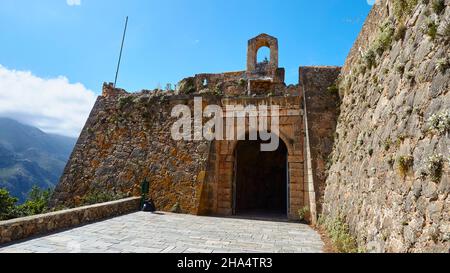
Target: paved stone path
(174, 233)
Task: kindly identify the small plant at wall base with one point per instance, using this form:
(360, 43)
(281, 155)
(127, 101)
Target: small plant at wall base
(302, 213)
(440, 122)
(176, 208)
(339, 233)
(101, 197)
(405, 163)
(435, 167)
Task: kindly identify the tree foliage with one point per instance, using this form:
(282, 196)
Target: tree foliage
(37, 203)
(7, 205)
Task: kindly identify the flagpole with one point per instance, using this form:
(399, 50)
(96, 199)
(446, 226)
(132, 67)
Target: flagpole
(121, 49)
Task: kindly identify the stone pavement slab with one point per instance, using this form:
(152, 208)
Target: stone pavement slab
(176, 233)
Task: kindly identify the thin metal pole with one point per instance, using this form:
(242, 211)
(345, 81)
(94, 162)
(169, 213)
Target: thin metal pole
(121, 49)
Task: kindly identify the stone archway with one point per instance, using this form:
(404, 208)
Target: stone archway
(260, 185)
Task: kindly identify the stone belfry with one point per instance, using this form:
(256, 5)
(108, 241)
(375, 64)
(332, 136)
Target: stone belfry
(263, 77)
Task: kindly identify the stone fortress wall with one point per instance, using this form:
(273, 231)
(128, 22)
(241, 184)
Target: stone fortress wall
(127, 139)
(383, 179)
(365, 142)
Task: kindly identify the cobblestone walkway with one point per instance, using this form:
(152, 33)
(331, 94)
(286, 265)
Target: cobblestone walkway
(173, 233)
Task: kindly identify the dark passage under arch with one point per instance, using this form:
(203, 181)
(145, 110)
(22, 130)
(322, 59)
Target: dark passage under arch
(261, 182)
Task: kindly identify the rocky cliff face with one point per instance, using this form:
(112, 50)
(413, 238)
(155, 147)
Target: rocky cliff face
(389, 174)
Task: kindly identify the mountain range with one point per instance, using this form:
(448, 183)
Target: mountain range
(30, 157)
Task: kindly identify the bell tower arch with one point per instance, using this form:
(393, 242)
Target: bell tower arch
(262, 40)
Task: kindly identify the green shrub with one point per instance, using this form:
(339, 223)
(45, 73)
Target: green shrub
(302, 213)
(176, 208)
(442, 65)
(333, 89)
(384, 39)
(187, 86)
(438, 6)
(446, 33)
(410, 75)
(400, 68)
(361, 69)
(369, 59)
(387, 144)
(37, 202)
(370, 152)
(7, 205)
(440, 122)
(124, 101)
(98, 197)
(391, 162)
(242, 82)
(405, 163)
(435, 167)
(401, 138)
(403, 8)
(218, 89)
(431, 29)
(400, 32)
(339, 233)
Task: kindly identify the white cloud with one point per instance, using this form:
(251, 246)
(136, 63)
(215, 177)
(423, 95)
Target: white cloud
(53, 105)
(73, 2)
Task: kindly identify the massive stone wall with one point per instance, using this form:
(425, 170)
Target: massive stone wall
(127, 139)
(321, 104)
(390, 167)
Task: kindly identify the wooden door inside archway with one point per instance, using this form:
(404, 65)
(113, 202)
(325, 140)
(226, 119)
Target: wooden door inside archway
(261, 180)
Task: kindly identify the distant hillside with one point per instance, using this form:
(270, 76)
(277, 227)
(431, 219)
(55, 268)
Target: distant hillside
(30, 157)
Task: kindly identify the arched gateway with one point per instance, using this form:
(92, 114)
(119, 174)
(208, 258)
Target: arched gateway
(261, 180)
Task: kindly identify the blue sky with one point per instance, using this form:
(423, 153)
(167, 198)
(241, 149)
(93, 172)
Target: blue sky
(168, 40)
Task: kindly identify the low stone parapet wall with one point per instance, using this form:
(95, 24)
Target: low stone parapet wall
(22, 228)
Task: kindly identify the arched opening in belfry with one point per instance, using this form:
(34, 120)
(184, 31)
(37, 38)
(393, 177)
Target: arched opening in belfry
(261, 180)
(263, 55)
